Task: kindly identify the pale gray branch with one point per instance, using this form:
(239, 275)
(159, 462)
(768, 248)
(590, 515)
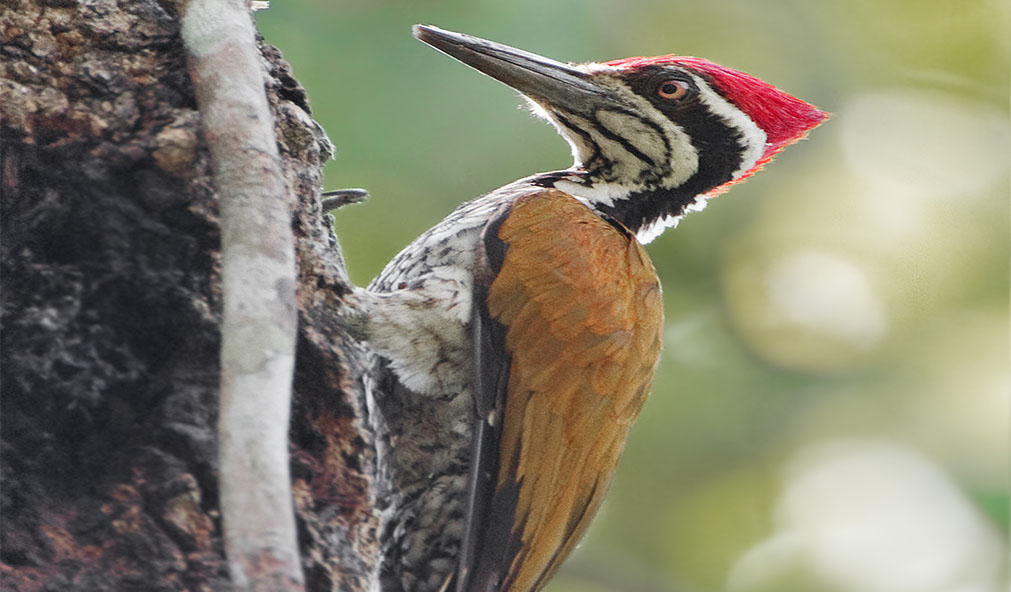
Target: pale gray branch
(258, 289)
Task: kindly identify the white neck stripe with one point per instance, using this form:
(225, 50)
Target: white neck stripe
(753, 138)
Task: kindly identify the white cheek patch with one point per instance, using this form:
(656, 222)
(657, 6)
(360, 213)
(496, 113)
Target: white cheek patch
(683, 160)
(753, 138)
(622, 163)
(641, 136)
(597, 194)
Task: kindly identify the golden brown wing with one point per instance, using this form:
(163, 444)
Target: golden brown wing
(567, 342)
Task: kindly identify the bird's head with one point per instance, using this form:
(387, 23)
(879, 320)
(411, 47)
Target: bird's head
(652, 138)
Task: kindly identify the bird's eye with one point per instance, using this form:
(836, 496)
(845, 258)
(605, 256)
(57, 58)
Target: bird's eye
(672, 89)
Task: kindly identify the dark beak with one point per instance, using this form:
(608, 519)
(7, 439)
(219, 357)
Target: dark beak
(545, 81)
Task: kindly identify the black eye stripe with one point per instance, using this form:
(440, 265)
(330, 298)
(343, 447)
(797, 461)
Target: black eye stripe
(662, 75)
(649, 81)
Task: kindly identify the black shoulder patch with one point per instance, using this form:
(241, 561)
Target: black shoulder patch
(494, 247)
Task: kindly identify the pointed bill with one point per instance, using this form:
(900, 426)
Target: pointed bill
(541, 79)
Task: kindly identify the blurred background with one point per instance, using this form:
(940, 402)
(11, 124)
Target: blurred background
(832, 409)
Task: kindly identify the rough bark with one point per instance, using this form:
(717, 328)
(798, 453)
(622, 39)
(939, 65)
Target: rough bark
(110, 309)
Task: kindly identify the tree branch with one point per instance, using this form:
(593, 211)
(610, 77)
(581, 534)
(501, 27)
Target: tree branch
(258, 290)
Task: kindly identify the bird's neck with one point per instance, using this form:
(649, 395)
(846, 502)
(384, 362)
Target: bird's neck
(645, 210)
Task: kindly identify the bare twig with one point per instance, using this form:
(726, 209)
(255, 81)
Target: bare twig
(258, 288)
(338, 198)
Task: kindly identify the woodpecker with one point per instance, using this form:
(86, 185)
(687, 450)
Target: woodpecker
(520, 335)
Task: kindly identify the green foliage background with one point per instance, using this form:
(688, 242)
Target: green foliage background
(857, 288)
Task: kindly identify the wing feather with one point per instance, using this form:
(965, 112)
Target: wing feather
(577, 306)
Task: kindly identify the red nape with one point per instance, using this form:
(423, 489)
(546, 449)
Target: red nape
(784, 118)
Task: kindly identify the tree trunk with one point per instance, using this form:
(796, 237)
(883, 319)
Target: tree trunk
(110, 309)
